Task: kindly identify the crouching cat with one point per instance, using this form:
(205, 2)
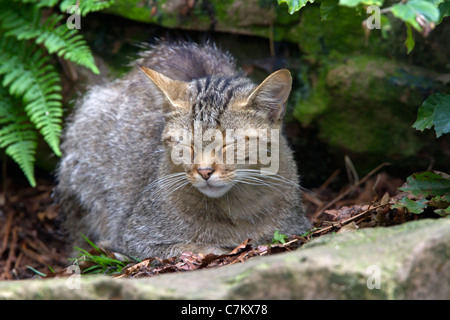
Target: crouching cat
(173, 157)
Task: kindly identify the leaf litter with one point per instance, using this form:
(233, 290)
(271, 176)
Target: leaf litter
(32, 242)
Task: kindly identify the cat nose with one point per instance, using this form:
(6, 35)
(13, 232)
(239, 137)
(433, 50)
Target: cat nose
(205, 172)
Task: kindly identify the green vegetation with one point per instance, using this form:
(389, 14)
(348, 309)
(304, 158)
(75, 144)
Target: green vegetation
(279, 238)
(435, 111)
(422, 15)
(33, 33)
(429, 188)
(426, 189)
(98, 261)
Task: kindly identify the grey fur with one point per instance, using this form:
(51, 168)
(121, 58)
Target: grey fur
(118, 186)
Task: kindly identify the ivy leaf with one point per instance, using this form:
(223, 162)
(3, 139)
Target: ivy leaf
(428, 183)
(423, 186)
(435, 110)
(295, 5)
(413, 206)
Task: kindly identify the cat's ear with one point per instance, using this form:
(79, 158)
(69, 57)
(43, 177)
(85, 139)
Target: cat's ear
(173, 90)
(272, 94)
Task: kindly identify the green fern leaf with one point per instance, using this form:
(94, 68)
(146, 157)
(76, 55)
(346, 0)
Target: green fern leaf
(17, 135)
(66, 43)
(29, 75)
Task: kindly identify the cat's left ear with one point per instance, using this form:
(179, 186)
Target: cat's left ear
(272, 94)
(173, 90)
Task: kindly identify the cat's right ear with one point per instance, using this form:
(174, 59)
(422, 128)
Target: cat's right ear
(272, 94)
(174, 90)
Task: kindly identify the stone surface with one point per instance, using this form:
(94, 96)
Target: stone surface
(250, 17)
(372, 104)
(410, 261)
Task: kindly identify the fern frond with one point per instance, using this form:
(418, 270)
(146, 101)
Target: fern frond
(17, 135)
(86, 6)
(68, 44)
(29, 75)
(56, 37)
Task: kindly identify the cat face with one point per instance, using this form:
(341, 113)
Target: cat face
(222, 130)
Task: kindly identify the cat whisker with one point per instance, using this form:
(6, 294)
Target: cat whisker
(166, 194)
(255, 174)
(258, 183)
(171, 182)
(260, 173)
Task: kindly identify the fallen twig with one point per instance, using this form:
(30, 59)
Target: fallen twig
(6, 231)
(347, 221)
(320, 210)
(11, 256)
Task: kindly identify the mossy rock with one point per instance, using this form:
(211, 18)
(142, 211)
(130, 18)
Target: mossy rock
(264, 18)
(366, 105)
(409, 261)
(251, 17)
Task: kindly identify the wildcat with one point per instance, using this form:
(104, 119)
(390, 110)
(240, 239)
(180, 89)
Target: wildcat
(119, 186)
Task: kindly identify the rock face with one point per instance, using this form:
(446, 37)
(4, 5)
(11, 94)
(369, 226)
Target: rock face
(410, 261)
(372, 104)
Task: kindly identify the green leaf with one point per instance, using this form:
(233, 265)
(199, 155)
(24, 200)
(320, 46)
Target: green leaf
(428, 183)
(36, 271)
(427, 9)
(435, 110)
(279, 237)
(413, 206)
(295, 5)
(435, 2)
(441, 118)
(426, 112)
(407, 14)
(86, 6)
(444, 9)
(409, 42)
(30, 77)
(443, 212)
(17, 135)
(409, 10)
(440, 202)
(57, 38)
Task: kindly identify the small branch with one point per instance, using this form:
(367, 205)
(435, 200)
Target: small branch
(320, 210)
(347, 221)
(329, 180)
(6, 231)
